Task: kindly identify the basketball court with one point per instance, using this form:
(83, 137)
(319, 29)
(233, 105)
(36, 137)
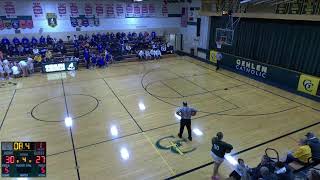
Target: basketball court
(124, 124)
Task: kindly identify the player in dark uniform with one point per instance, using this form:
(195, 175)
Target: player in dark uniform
(218, 150)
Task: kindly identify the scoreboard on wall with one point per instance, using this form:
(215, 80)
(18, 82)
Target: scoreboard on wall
(23, 159)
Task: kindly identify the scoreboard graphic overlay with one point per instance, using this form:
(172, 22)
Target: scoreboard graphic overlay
(23, 159)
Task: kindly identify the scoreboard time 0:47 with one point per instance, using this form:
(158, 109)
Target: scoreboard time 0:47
(23, 159)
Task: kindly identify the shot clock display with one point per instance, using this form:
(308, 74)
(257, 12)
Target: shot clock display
(23, 159)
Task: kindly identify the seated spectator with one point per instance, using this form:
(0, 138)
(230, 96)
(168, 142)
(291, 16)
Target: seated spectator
(86, 56)
(26, 49)
(75, 38)
(38, 58)
(48, 55)
(266, 174)
(16, 41)
(241, 171)
(24, 67)
(49, 40)
(15, 70)
(5, 41)
(34, 41)
(163, 49)
(1, 71)
(25, 41)
(301, 154)
(93, 61)
(20, 50)
(283, 172)
(313, 175)
(101, 62)
(147, 54)
(30, 65)
(42, 41)
(158, 54)
(141, 54)
(43, 52)
(153, 53)
(314, 144)
(128, 48)
(35, 51)
(265, 162)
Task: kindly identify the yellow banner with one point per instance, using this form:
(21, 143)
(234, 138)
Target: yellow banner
(213, 56)
(308, 84)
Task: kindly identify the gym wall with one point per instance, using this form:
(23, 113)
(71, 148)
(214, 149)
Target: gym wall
(165, 24)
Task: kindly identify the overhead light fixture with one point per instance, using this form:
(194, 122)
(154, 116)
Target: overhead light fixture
(137, 0)
(142, 107)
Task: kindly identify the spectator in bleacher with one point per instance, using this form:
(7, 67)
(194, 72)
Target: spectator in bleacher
(27, 49)
(101, 62)
(30, 65)
(24, 68)
(141, 54)
(158, 54)
(35, 50)
(34, 41)
(147, 54)
(282, 171)
(314, 144)
(1, 70)
(48, 55)
(266, 174)
(241, 171)
(301, 154)
(16, 41)
(20, 50)
(15, 70)
(12, 50)
(313, 175)
(163, 49)
(265, 162)
(218, 150)
(49, 40)
(38, 58)
(153, 53)
(43, 51)
(75, 38)
(128, 48)
(100, 48)
(93, 61)
(42, 41)
(25, 41)
(5, 41)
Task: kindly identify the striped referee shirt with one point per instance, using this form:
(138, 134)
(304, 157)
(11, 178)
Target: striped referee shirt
(186, 112)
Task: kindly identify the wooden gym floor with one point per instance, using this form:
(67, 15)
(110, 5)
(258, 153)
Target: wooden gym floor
(123, 118)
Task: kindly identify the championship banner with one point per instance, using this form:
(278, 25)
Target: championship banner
(213, 56)
(144, 10)
(23, 24)
(52, 19)
(136, 10)
(152, 10)
(184, 17)
(164, 9)
(120, 10)
(9, 9)
(308, 84)
(62, 9)
(74, 9)
(37, 9)
(88, 9)
(74, 21)
(7, 23)
(99, 9)
(110, 10)
(15, 23)
(1, 25)
(129, 10)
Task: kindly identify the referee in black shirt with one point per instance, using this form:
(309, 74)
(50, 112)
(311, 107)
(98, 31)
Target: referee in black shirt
(218, 150)
(185, 113)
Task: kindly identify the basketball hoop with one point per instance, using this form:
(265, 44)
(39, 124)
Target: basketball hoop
(219, 44)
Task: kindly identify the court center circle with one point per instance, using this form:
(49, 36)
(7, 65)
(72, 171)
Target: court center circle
(54, 109)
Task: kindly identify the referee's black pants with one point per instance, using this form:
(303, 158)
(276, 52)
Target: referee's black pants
(185, 122)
